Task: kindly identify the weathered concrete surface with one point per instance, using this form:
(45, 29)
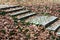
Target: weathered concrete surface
(54, 26)
(42, 20)
(20, 12)
(25, 15)
(14, 9)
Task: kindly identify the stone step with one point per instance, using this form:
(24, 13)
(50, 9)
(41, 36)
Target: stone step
(42, 20)
(4, 7)
(54, 26)
(20, 12)
(12, 6)
(25, 15)
(13, 9)
(58, 32)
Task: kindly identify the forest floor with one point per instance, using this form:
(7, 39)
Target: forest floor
(10, 31)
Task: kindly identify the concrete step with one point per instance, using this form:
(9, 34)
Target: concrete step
(42, 20)
(20, 12)
(13, 9)
(58, 32)
(4, 7)
(25, 15)
(54, 26)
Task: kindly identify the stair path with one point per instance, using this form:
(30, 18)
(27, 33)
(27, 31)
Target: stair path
(51, 22)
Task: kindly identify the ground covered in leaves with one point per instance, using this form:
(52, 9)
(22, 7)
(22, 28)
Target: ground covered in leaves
(53, 9)
(10, 29)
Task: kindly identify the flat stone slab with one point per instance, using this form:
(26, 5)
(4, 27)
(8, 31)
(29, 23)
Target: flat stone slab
(7, 6)
(25, 15)
(58, 32)
(54, 26)
(41, 20)
(13, 9)
(3, 6)
(20, 12)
